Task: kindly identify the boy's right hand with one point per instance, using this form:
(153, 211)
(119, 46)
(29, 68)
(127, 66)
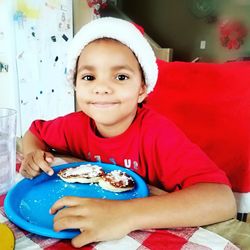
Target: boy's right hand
(34, 162)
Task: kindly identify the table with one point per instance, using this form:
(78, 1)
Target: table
(176, 238)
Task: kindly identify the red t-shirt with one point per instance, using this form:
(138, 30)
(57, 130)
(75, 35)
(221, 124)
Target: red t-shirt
(152, 146)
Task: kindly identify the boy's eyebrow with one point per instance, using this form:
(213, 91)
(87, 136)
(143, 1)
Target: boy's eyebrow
(117, 67)
(85, 67)
(121, 67)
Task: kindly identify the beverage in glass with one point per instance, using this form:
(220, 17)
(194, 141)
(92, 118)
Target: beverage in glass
(7, 148)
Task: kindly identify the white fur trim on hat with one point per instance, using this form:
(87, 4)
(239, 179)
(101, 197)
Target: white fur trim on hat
(120, 30)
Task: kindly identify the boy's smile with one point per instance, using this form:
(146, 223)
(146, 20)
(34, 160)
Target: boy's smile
(104, 104)
(109, 85)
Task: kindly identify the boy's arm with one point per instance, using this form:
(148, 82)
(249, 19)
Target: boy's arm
(30, 143)
(102, 220)
(36, 156)
(197, 205)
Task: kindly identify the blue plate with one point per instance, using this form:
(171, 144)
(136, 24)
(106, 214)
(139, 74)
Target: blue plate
(27, 204)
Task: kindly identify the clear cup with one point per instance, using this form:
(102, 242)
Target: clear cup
(7, 148)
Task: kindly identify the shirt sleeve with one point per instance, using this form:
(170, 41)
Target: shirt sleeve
(52, 133)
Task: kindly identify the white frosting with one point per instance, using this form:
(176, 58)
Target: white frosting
(119, 176)
(81, 179)
(86, 170)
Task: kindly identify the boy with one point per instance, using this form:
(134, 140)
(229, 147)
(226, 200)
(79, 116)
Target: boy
(113, 69)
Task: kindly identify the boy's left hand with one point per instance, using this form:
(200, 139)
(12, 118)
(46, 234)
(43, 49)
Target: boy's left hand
(97, 219)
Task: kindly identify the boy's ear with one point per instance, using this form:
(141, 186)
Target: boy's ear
(143, 93)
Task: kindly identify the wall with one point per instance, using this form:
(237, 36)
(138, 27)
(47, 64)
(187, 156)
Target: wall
(82, 14)
(8, 76)
(173, 24)
(35, 83)
(34, 37)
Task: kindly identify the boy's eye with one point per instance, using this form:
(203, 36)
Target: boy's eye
(121, 77)
(88, 78)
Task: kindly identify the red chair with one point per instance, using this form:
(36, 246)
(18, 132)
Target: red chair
(211, 104)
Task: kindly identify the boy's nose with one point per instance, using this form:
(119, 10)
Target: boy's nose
(102, 89)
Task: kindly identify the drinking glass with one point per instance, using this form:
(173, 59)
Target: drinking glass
(7, 148)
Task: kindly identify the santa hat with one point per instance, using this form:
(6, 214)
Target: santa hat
(121, 30)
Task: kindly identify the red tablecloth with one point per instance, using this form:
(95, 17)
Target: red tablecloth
(178, 238)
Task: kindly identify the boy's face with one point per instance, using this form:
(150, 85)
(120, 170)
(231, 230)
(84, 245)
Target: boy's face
(109, 85)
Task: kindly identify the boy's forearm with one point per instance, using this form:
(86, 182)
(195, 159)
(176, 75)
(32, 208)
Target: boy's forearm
(31, 143)
(198, 205)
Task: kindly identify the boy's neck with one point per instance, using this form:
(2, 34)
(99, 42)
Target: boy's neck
(111, 131)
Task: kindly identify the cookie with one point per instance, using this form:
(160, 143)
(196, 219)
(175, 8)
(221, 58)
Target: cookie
(117, 181)
(83, 174)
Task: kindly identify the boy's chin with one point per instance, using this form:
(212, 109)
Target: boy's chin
(105, 121)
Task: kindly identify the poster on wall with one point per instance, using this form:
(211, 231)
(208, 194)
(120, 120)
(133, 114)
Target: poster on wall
(8, 72)
(43, 29)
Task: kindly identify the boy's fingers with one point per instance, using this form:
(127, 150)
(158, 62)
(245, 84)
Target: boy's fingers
(39, 159)
(31, 171)
(46, 168)
(49, 157)
(36, 161)
(67, 212)
(68, 201)
(32, 164)
(69, 222)
(29, 162)
(84, 238)
(24, 173)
